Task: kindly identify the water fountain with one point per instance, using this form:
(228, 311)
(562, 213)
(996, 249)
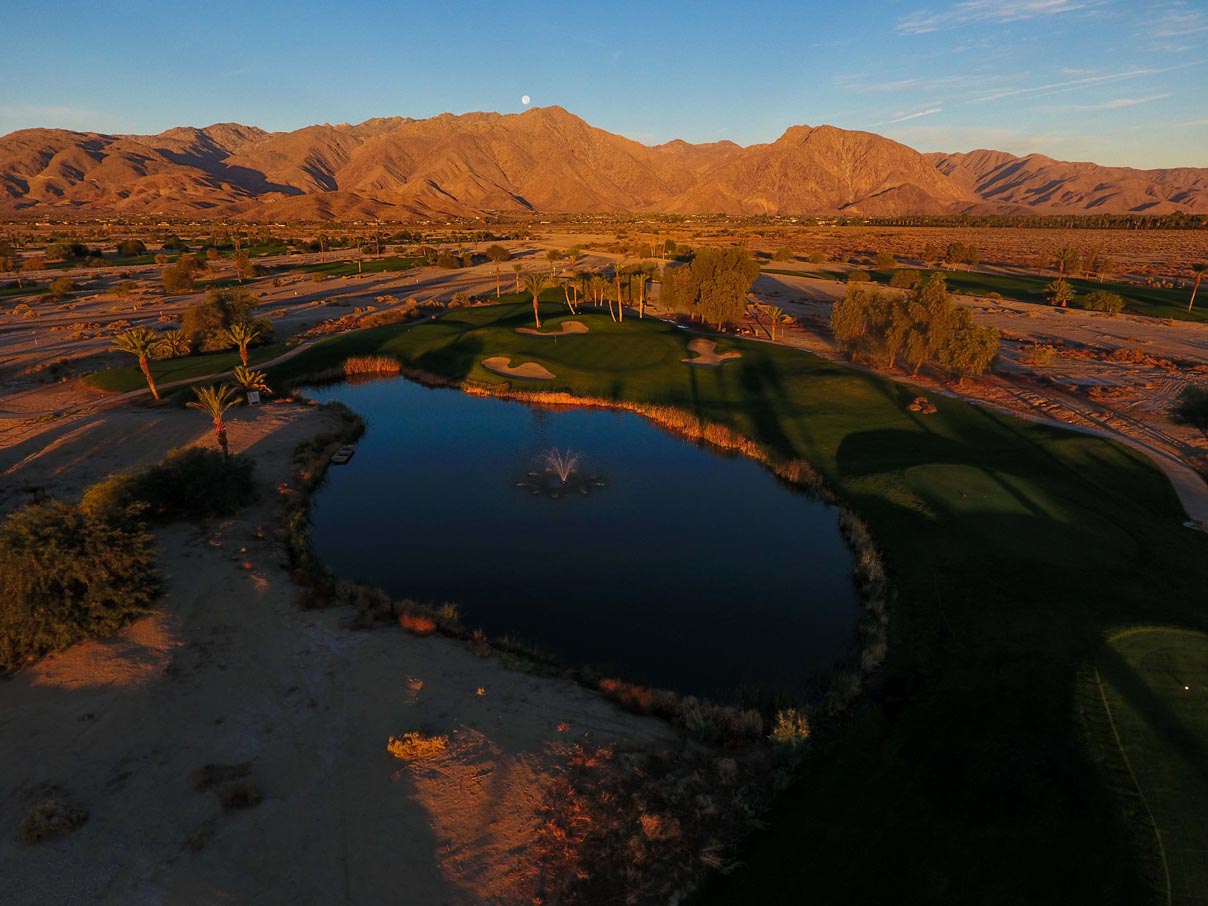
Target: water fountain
(559, 474)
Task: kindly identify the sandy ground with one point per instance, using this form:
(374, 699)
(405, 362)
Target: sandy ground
(566, 327)
(228, 670)
(705, 353)
(501, 364)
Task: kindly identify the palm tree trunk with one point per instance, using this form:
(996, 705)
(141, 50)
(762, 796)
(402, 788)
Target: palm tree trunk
(1194, 289)
(536, 316)
(221, 433)
(497, 292)
(146, 367)
(620, 308)
(243, 354)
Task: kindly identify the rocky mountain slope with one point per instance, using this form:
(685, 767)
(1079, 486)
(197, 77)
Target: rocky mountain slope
(543, 160)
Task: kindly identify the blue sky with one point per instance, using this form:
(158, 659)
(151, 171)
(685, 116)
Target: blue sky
(1107, 80)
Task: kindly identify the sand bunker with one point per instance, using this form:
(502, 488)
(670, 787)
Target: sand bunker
(706, 353)
(567, 327)
(503, 365)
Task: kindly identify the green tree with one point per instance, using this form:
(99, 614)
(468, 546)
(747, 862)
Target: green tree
(242, 264)
(1060, 292)
(242, 334)
(497, 254)
(143, 343)
(129, 248)
(535, 283)
(885, 261)
(1103, 300)
(1199, 269)
(553, 256)
(214, 402)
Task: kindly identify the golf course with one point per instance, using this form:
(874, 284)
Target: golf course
(976, 759)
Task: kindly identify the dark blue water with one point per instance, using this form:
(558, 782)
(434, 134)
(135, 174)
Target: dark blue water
(688, 570)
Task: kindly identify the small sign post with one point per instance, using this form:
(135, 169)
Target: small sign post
(253, 397)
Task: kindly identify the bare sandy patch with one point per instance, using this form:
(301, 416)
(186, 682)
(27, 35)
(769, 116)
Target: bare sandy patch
(230, 672)
(706, 353)
(531, 370)
(568, 327)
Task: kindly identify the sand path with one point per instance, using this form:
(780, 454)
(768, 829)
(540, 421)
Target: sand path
(229, 670)
(502, 364)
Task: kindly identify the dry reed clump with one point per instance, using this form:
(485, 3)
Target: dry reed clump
(415, 746)
(791, 729)
(417, 623)
(371, 364)
(49, 818)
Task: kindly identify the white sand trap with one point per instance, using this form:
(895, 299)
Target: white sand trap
(567, 327)
(706, 353)
(503, 365)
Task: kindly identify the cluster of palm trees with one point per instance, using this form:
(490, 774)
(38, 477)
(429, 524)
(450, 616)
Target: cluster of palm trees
(145, 344)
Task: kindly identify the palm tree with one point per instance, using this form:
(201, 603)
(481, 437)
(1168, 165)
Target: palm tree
(776, 319)
(517, 267)
(214, 402)
(1059, 292)
(535, 283)
(1066, 259)
(249, 381)
(176, 343)
(1199, 269)
(498, 254)
(143, 343)
(242, 334)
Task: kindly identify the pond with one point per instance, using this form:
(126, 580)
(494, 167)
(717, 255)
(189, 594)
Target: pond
(664, 563)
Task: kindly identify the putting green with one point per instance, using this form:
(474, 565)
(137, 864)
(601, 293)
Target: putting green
(1153, 684)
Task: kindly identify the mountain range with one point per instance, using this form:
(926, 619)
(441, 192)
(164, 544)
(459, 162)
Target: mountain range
(546, 160)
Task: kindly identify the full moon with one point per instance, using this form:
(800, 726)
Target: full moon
(525, 99)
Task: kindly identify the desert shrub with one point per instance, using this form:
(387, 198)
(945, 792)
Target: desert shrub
(192, 483)
(448, 260)
(416, 746)
(50, 818)
(817, 258)
(858, 276)
(783, 253)
(1039, 354)
(61, 286)
(67, 574)
(1103, 300)
(885, 261)
(129, 247)
(1191, 408)
(905, 278)
(241, 794)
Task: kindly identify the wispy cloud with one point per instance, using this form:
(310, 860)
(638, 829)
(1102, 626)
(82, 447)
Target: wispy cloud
(930, 111)
(1116, 104)
(972, 12)
(1071, 84)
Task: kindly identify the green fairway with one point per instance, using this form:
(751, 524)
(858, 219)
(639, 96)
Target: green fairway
(1015, 548)
(1153, 687)
(350, 268)
(1152, 301)
(130, 377)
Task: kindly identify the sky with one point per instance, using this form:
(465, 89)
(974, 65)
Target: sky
(1117, 82)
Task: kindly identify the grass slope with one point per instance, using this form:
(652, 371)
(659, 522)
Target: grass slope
(1016, 549)
(130, 377)
(1152, 686)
